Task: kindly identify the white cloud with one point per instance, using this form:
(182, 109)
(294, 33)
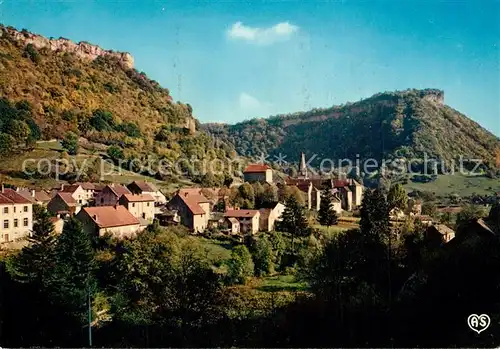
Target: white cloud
(248, 102)
(262, 36)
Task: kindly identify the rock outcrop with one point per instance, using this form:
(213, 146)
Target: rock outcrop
(82, 49)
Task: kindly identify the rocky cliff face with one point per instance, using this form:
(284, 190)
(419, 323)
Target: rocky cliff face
(433, 95)
(83, 50)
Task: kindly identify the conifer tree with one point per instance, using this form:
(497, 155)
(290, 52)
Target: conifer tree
(75, 268)
(374, 214)
(326, 214)
(293, 220)
(35, 262)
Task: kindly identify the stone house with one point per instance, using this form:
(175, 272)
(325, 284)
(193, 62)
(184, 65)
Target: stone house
(258, 173)
(140, 187)
(63, 203)
(110, 195)
(249, 219)
(89, 189)
(77, 192)
(439, 233)
(142, 206)
(16, 216)
(233, 225)
(115, 220)
(269, 216)
(192, 207)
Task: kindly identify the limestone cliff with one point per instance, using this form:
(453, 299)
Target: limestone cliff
(82, 49)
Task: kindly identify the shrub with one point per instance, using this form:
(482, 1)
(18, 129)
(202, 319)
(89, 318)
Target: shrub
(240, 265)
(70, 143)
(31, 52)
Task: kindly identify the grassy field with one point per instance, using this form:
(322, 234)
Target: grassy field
(279, 283)
(216, 250)
(458, 184)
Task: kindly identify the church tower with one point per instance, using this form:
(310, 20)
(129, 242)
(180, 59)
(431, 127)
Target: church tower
(303, 167)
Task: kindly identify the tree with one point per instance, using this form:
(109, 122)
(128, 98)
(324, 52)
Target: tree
(289, 191)
(293, 220)
(262, 255)
(208, 180)
(6, 143)
(374, 214)
(240, 265)
(32, 281)
(268, 195)
(37, 260)
(278, 247)
(164, 280)
(470, 212)
(429, 208)
(397, 197)
(31, 52)
(115, 153)
(327, 215)
(75, 269)
(70, 143)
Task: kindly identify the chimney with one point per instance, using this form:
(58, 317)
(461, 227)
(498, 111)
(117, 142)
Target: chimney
(3, 188)
(33, 192)
(94, 217)
(185, 194)
(62, 186)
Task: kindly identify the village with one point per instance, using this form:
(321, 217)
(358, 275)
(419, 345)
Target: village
(124, 210)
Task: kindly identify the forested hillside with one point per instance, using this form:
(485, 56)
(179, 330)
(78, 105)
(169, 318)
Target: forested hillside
(48, 93)
(404, 123)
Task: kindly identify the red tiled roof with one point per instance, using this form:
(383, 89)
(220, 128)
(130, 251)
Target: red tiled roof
(27, 195)
(70, 188)
(67, 198)
(42, 196)
(303, 186)
(144, 186)
(256, 168)
(240, 213)
(5, 201)
(119, 189)
(87, 185)
(138, 198)
(338, 183)
(15, 197)
(192, 198)
(111, 216)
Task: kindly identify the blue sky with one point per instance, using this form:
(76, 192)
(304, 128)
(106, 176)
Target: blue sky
(234, 60)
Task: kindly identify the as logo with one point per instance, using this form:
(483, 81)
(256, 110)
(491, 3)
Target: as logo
(478, 323)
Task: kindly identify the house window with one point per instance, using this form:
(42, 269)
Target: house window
(6, 224)
(14, 209)
(102, 200)
(25, 208)
(133, 205)
(25, 222)
(5, 210)
(148, 204)
(15, 223)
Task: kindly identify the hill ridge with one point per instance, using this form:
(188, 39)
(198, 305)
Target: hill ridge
(405, 123)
